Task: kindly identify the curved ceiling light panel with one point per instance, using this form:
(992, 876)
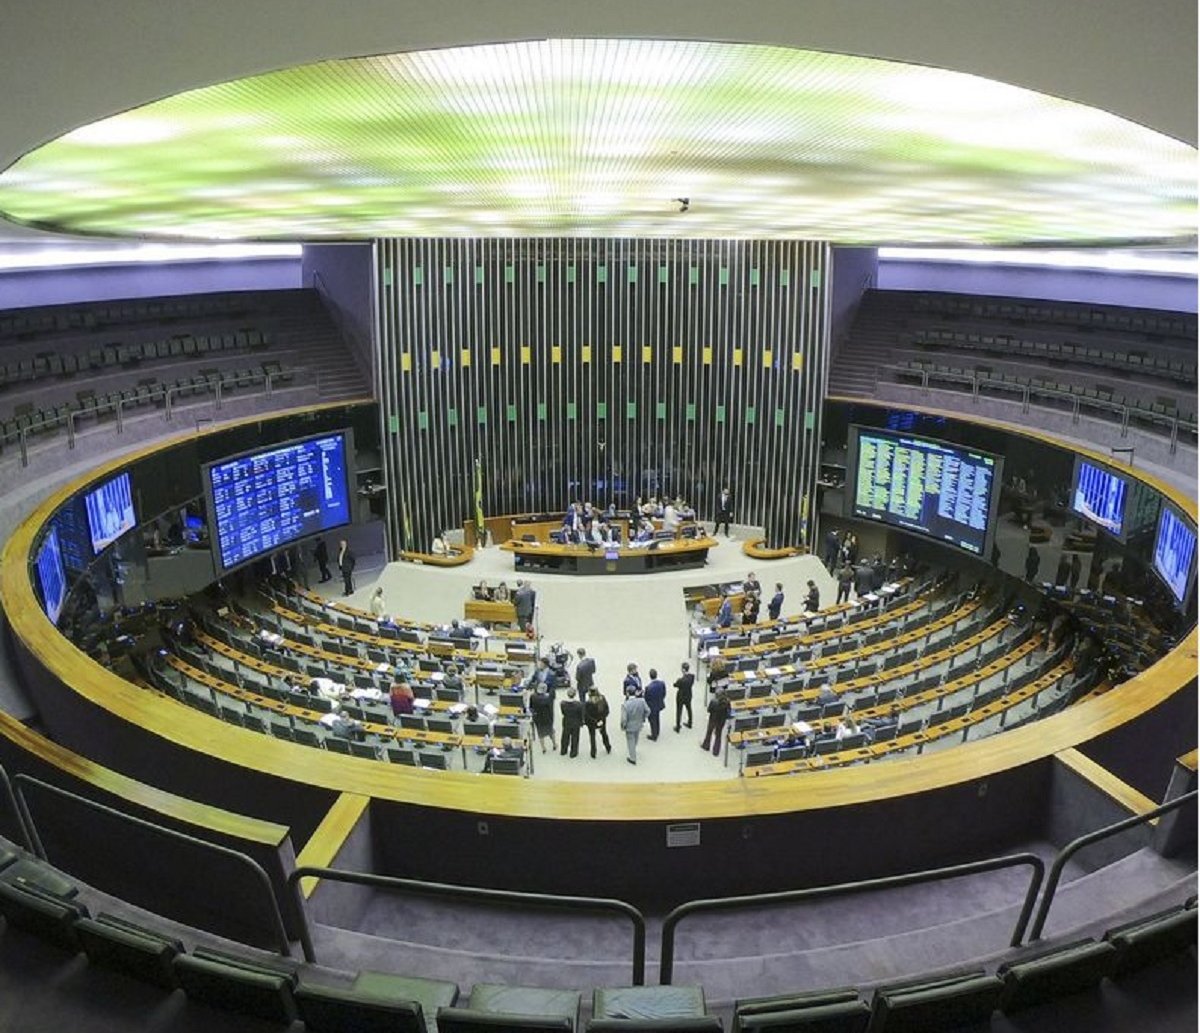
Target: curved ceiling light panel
(587, 137)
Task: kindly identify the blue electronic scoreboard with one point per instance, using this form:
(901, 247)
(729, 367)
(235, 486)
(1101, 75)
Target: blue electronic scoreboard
(1175, 553)
(110, 511)
(945, 491)
(1099, 495)
(260, 501)
(51, 576)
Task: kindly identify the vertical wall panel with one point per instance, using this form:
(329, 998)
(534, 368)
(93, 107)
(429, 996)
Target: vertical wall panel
(600, 370)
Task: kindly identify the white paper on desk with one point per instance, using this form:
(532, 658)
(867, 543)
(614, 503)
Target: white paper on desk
(490, 709)
(457, 708)
(772, 672)
(383, 668)
(437, 676)
(714, 651)
(422, 704)
(870, 597)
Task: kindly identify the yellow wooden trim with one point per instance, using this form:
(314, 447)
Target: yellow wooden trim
(538, 798)
(201, 815)
(1188, 760)
(460, 556)
(756, 549)
(328, 837)
(1108, 783)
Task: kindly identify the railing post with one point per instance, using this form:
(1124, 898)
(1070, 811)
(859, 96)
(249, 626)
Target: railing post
(120, 416)
(24, 447)
(1025, 399)
(220, 385)
(71, 428)
(269, 376)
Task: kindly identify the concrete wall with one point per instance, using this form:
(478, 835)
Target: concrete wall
(28, 288)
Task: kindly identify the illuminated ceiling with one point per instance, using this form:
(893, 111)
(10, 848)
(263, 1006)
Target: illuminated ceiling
(605, 138)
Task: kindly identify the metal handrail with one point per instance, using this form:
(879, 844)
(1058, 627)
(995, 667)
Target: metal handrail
(666, 964)
(275, 917)
(1072, 848)
(441, 889)
(11, 800)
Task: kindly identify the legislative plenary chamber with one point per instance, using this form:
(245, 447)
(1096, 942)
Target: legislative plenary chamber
(616, 519)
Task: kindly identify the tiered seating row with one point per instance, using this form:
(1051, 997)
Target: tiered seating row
(951, 724)
(60, 319)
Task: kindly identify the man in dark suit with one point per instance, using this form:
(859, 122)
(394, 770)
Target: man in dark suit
(321, 555)
(585, 673)
(595, 715)
(346, 561)
(724, 511)
(776, 605)
(656, 699)
(572, 721)
(812, 601)
(683, 695)
(833, 547)
(523, 601)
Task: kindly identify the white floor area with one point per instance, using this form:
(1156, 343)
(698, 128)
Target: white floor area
(637, 618)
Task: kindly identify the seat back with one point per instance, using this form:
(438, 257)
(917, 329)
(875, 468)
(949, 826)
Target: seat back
(47, 917)
(938, 1005)
(467, 1020)
(246, 990)
(123, 947)
(340, 1010)
(1152, 939)
(1064, 970)
(702, 1024)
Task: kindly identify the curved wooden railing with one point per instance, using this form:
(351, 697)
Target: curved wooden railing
(44, 650)
(756, 549)
(459, 556)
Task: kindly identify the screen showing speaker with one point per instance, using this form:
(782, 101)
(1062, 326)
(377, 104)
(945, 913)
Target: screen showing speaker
(1100, 495)
(110, 511)
(948, 492)
(51, 576)
(263, 500)
(1175, 553)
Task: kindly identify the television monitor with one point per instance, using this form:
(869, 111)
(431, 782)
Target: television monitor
(259, 501)
(1099, 495)
(933, 488)
(51, 575)
(110, 511)
(74, 536)
(1174, 556)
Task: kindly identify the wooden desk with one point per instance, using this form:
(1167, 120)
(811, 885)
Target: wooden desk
(682, 554)
(487, 611)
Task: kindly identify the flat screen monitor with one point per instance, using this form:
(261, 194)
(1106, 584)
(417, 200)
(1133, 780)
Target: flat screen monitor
(944, 491)
(51, 576)
(1175, 553)
(260, 501)
(1100, 495)
(74, 535)
(110, 511)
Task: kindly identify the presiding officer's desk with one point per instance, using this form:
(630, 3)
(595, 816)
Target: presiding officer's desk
(679, 554)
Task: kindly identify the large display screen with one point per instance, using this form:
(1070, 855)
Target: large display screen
(263, 500)
(945, 491)
(52, 578)
(1099, 495)
(110, 511)
(1175, 553)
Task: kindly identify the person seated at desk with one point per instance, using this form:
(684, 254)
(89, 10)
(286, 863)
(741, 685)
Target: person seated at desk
(343, 725)
(611, 512)
(459, 632)
(798, 733)
(483, 591)
(645, 533)
(440, 546)
(846, 726)
(501, 594)
(587, 517)
(326, 688)
(671, 520)
(507, 750)
(571, 524)
(452, 680)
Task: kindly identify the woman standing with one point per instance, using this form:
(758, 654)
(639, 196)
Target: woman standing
(541, 707)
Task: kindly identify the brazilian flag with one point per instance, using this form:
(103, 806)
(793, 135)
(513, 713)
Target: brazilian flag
(480, 526)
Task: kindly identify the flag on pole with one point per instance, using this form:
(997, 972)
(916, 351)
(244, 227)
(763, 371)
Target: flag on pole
(480, 525)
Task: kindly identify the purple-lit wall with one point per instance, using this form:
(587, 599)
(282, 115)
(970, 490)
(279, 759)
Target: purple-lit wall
(1175, 294)
(341, 274)
(854, 270)
(25, 289)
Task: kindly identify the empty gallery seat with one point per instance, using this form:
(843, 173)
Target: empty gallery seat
(121, 946)
(1056, 972)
